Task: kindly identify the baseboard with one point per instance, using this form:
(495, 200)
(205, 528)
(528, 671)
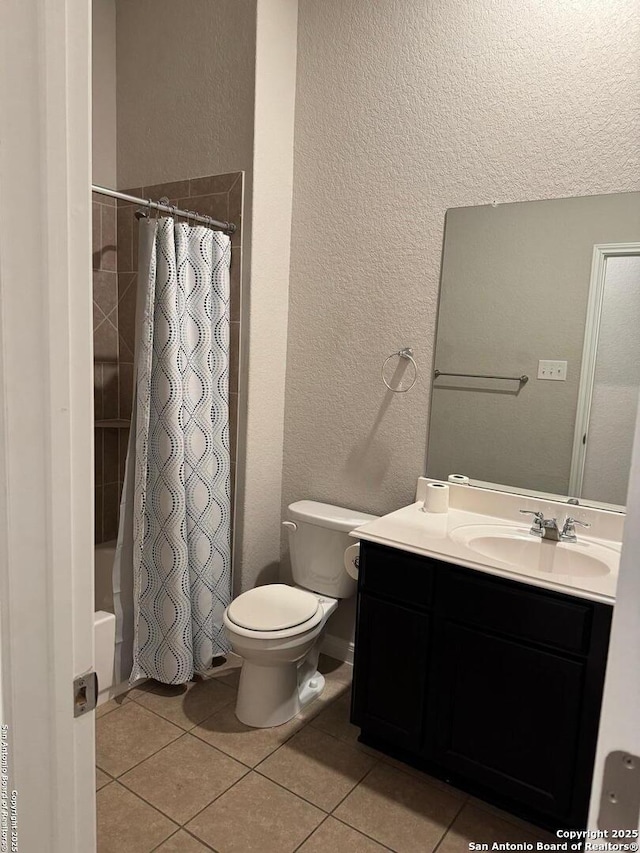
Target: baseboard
(336, 647)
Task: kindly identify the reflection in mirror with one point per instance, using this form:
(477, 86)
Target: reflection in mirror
(537, 358)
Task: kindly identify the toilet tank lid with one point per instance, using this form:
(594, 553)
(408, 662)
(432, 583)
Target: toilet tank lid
(326, 515)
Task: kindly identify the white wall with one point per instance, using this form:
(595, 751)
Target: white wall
(265, 311)
(185, 89)
(206, 88)
(405, 109)
(103, 80)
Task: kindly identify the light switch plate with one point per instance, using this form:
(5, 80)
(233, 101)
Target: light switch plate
(556, 370)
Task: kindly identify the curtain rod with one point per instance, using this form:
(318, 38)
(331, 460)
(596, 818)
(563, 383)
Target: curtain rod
(166, 208)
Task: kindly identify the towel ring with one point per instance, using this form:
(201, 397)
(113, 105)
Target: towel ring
(407, 353)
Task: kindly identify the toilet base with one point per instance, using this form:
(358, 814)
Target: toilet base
(270, 696)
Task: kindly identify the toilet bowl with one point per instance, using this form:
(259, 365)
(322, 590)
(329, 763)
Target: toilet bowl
(277, 629)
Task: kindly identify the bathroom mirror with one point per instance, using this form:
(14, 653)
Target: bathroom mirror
(537, 357)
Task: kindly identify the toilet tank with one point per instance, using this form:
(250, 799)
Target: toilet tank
(318, 538)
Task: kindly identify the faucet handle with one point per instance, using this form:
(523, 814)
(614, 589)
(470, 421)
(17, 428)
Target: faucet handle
(539, 515)
(538, 520)
(569, 528)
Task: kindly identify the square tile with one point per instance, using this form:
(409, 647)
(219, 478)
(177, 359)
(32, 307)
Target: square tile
(250, 746)
(212, 184)
(317, 767)
(126, 824)
(235, 207)
(125, 227)
(105, 341)
(110, 380)
(111, 705)
(110, 456)
(511, 818)
(105, 291)
(127, 297)
(96, 234)
(474, 824)
(182, 842)
(235, 284)
(127, 736)
(334, 720)
(333, 835)
(333, 691)
(186, 705)
(184, 777)
(399, 811)
(216, 206)
(172, 190)
(256, 815)
(97, 391)
(108, 245)
(126, 389)
(101, 779)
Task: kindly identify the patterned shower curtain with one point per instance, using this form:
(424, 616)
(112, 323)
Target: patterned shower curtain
(178, 464)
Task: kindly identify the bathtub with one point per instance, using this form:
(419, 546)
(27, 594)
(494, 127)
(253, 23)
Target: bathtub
(104, 622)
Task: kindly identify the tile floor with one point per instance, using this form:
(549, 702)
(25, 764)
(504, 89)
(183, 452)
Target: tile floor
(177, 773)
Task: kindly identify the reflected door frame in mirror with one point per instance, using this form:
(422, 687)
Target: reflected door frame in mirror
(601, 254)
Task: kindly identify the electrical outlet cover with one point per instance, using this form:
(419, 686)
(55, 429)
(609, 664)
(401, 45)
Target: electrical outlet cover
(554, 370)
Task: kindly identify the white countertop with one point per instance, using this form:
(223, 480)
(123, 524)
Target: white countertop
(429, 534)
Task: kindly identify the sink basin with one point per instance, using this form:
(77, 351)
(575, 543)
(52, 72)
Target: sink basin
(518, 548)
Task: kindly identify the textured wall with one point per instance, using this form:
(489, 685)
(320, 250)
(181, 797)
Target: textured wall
(194, 79)
(403, 110)
(103, 85)
(515, 285)
(264, 349)
(185, 74)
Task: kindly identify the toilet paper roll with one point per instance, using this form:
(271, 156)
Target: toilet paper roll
(351, 560)
(460, 479)
(437, 498)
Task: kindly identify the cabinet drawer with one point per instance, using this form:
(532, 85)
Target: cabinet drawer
(397, 575)
(518, 610)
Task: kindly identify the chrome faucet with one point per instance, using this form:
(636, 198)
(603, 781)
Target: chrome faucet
(569, 529)
(547, 528)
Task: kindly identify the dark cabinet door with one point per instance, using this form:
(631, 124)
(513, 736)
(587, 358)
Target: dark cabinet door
(390, 672)
(506, 715)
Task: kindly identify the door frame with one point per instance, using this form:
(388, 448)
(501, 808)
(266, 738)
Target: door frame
(46, 418)
(619, 728)
(601, 253)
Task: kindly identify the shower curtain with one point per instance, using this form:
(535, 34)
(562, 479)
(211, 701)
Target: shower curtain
(173, 576)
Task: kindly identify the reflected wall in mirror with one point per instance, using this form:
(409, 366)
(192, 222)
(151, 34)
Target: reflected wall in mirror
(550, 291)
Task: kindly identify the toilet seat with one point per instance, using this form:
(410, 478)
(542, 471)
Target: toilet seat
(275, 608)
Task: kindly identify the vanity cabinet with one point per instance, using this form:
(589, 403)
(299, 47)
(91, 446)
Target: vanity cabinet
(492, 684)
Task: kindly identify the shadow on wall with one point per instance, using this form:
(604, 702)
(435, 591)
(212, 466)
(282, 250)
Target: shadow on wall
(269, 574)
(368, 462)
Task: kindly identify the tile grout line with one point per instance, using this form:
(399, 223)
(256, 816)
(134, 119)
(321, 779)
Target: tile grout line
(455, 817)
(199, 840)
(313, 831)
(217, 797)
(173, 820)
(370, 837)
(173, 835)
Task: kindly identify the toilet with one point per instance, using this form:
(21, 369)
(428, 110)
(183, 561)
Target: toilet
(277, 629)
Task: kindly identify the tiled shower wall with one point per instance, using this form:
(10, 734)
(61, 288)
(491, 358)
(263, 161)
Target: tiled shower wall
(115, 239)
